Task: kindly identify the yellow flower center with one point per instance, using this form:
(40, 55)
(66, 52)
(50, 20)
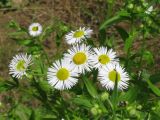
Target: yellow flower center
(79, 58)
(35, 28)
(20, 65)
(78, 34)
(62, 74)
(104, 59)
(113, 75)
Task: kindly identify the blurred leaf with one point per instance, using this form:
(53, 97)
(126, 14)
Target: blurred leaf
(130, 95)
(32, 116)
(58, 39)
(81, 100)
(7, 85)
(22, 112)
(3, 87)
(102, 36)
(13, 24)
(155, 116)
(42, 94)
(129, 40)
(155, 78)
(90, 42)
(124, 35)
(34, 49)
(17, 34)
(90, 87)
(123, 15)
(46, 33)
(44, 85)
(24, 42)
(148, 57)
(153, 88)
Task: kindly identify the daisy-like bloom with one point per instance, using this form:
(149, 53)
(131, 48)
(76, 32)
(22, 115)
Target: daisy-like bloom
(61, 75)
(109, 74)
(19, 65)
(149, 10)
(78, 36)
(102, 57)
(35, 29)
(80, 57)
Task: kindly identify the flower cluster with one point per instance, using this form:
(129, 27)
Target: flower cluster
(80, 58)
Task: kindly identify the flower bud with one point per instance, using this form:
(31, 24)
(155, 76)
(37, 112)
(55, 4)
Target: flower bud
(130, 6)
(94, 111)
(104, 96)
(139, 107)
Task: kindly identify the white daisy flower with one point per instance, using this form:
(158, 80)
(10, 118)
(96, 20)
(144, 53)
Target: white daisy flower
(102, 57)
(35, 29)
(19, 65)
(78, 36)
(108, 75)
(62, 75)
(149, 10)
(80, 57)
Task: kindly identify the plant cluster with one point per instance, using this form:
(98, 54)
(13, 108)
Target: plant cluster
(88, 79)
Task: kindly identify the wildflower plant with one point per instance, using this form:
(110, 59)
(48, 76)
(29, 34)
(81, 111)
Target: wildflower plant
(87, 79)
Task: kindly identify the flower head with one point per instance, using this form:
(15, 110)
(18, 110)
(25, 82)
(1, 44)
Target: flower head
(19, 65)
(102, 57)
(80, 57)
(35, 29)
(109, 74)
(78, 36)
(62, 75)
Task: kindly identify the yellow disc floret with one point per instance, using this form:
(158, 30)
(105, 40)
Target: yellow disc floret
(62, 74)
(35, 28)
(104, 59)
(113, 75)
(78, 34)
(20, 65)
(79, 58)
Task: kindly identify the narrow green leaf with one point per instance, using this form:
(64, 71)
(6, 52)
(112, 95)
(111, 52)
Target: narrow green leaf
(129, 40)
(121, 16)
(17, 34)
(90, 87)
(82, 101)
(24, 42)
(153, 88)
(124, 35)
(102, 36)
(32, 116)
(58, 39)
(130, 95)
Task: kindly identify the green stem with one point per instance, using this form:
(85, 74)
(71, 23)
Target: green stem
(44, 52)
(142, 48)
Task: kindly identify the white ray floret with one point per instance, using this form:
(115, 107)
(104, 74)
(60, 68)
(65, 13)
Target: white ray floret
(35, 29)
(78, 36)
(108, 75)
(80, 57)
(102, 57)
(19, 65)
(61, 75)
